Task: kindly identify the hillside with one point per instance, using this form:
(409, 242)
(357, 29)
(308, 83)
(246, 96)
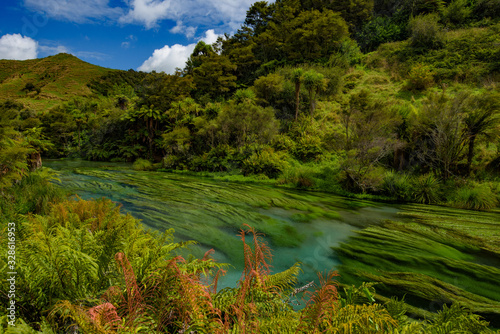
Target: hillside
(54, 79)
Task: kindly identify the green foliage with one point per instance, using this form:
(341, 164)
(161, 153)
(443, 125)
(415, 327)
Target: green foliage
(459, 319)
(381, 29)
(13, 155)
(426, 189)
(244, 96)
(308, 148)
(299, 176)
(267, 162)
(440, 128)
(425, 32)
(355, 12)
(397, 186)
(487, 9)
(245, 123)
(142, 164)
(456, 13)
(68, 253)
(475, 197)
(420, 78)
(314, 35)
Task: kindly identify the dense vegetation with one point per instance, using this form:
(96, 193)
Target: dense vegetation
(384, 99)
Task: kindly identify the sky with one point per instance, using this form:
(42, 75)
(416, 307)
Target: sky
(143, 35)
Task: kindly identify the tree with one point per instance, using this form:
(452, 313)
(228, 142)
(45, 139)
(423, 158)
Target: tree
(314, 35)
(314, 82)
(245, 123)
(213, 74)
(147, 121)
(160, 90)
(354, 12)
(297, 78)
(426, 32)
(370, 136)
(482, 114)
(258, 16)
(440, 136)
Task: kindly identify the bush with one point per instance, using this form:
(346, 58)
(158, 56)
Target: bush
(487, 9)
(379, 30)
(478, 197)
(298, 176)
(308, 148)
(33, 194)
(283, 143)
(420, 78)
(267, 162)
(457, 12)
(426, 189)
(397, 186)
(142, 164)
(425, 32)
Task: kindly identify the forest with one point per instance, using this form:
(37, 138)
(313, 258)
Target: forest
(394, 101)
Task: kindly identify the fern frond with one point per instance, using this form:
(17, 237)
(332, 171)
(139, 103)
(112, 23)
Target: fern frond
(284, 281)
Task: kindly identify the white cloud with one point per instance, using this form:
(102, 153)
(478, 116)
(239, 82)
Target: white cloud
(18, 47)
(189, 14)
(210, 37)
(128, 41)
(75, 10)
(52, 50)
(90, 55)
(168, 58)
(180, 28)
(230, 13)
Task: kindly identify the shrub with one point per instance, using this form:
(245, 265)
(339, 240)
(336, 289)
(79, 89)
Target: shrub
(267, 162)
(397, 186)
(487, 8)
(298, 176)
(420, 78)
(244, 95)
(457, 12)
(426, 32)
(478, 197)
(283, 143)
(308, 148)
(142, 164)
(426, 189)
(379, 30)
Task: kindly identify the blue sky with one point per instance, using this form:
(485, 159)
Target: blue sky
(124, 34)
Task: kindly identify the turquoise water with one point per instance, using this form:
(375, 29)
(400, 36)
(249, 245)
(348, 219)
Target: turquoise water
(298, 226)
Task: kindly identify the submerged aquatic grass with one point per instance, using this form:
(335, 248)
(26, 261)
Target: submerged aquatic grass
(434, 255)
(430, 254)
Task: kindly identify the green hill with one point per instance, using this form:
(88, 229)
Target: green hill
(43, 83)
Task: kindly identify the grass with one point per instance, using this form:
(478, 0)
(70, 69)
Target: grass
(433, 255)
(60, 77)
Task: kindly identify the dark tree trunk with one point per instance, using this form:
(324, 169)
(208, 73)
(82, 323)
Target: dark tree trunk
(470, 153)
(34, 161)
(297, 99)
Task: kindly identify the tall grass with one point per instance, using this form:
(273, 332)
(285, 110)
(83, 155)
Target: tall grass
(398, 186)
(475, 197)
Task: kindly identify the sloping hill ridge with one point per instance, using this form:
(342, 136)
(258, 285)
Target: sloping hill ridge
(49, 80)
